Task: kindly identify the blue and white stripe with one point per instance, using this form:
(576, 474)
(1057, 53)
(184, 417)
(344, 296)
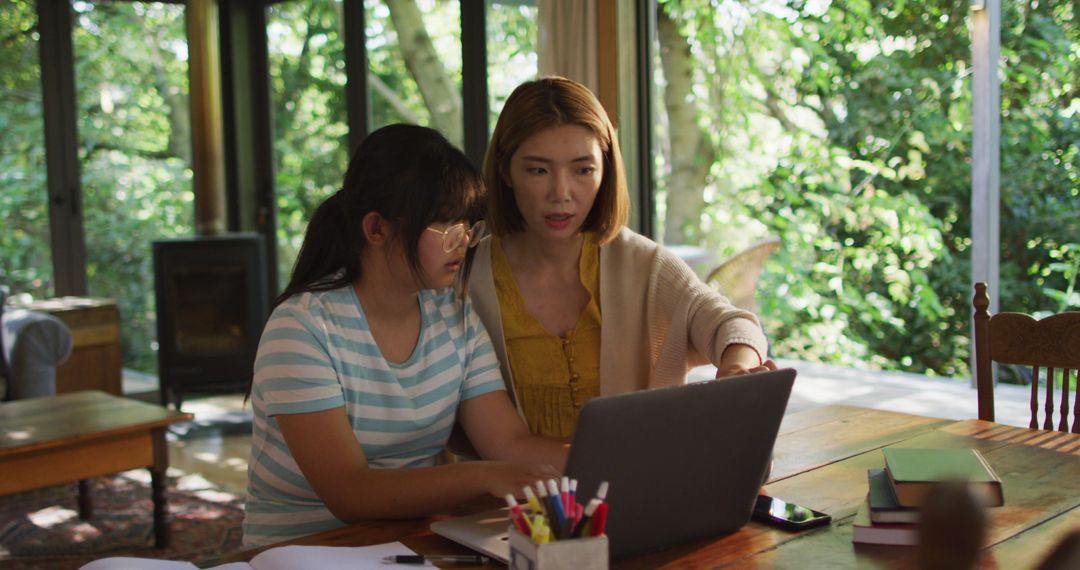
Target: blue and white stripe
(317, 353)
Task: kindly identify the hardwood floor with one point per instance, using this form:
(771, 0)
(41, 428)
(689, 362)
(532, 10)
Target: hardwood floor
(218, 455)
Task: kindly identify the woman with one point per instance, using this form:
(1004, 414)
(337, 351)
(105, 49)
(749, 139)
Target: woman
(370, 354)
(578, 305)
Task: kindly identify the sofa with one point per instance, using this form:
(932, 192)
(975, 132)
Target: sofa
(33, 345)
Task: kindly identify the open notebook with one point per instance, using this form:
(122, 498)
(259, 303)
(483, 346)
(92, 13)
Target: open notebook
(280, 558)
(682, 463)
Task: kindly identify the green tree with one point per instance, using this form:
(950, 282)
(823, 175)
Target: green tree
(844, 127)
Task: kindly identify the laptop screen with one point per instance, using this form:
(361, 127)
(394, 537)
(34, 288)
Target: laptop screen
(682, 463)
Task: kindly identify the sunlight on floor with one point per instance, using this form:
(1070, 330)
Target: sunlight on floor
(219, 451)
(51, 516)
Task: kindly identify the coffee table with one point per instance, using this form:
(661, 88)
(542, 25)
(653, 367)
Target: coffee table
(73, 437)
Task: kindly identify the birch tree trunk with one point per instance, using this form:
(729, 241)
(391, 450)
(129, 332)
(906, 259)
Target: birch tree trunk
(689, 153)
(437, 88)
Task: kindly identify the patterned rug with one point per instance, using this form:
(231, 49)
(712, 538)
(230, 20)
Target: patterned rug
(41, 529)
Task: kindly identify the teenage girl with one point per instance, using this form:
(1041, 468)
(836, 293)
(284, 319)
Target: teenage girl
(371, 353)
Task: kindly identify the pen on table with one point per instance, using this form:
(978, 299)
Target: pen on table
(474, 559)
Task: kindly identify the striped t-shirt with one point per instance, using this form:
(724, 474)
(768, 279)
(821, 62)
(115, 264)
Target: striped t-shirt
(317, 353)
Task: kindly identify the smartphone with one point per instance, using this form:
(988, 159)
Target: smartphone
(787, 515)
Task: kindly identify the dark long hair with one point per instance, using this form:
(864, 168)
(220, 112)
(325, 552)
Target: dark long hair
(409, 175)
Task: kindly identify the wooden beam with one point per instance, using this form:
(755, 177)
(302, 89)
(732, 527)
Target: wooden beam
(207, 136)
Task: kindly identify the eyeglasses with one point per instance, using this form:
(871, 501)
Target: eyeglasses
(457, 233)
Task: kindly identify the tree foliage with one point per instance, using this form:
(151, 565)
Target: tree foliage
(844, 127)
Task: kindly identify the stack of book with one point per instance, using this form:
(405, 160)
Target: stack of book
(891, 512)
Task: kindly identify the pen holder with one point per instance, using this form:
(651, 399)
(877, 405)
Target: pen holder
(589, 553)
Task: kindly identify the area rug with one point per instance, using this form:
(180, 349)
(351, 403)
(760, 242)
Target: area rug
(41, 529)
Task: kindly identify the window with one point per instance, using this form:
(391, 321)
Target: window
(307, 83)
(134, 152)
(414, 62)
(511, 51)
(25, 259)
(845, 129)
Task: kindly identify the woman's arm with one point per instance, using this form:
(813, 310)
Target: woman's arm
(727, 336)
(497, 432)
(742, 359)
(325, 448)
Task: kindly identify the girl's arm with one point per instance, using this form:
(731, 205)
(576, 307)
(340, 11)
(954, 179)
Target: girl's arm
(325, 448)
(498, 432)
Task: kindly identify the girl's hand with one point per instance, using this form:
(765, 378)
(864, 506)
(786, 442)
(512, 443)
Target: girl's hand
(505, 477)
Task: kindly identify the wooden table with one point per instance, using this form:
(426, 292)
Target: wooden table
(72, 437)
(821, 460)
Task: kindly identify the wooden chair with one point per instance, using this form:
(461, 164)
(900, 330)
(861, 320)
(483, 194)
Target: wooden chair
(1052, 343)
(736, 277)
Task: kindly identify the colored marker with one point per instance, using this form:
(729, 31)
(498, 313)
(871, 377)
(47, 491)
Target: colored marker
(556, 514)
(538, 525)
(564, 495)
(541, 491)
(517, 516)
(601, 491)
(544, 536)
(599, 519)
(530, 498)
(589, 512)
(573, 493)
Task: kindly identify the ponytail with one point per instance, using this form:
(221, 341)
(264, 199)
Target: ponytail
(326, 250)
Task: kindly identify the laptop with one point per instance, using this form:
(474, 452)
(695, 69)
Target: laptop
(682, 463)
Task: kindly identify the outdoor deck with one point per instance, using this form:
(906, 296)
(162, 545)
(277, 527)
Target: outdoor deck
(821, 384)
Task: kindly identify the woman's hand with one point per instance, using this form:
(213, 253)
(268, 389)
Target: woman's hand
(511, 477)
(742, 359)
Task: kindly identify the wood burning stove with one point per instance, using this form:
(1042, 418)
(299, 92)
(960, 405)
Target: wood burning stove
(212, 303)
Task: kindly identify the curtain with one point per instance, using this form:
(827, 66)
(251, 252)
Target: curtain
(567, 40)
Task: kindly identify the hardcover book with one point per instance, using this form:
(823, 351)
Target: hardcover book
(864, 531)
(913, 472)
(883, 505)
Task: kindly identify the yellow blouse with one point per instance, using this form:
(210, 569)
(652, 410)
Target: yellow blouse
(553, 376)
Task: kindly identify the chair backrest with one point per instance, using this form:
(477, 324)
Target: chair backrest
(1051, 344)
(736, 277)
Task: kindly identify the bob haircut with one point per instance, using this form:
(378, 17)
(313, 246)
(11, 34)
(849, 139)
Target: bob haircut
(407, 174)
(535, 106)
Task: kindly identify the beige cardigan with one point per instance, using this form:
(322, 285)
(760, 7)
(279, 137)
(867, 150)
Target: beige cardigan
(659, 319)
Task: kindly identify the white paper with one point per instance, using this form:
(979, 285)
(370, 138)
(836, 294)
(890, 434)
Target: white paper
(281, 558)
(330, 558)
(128, 563)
